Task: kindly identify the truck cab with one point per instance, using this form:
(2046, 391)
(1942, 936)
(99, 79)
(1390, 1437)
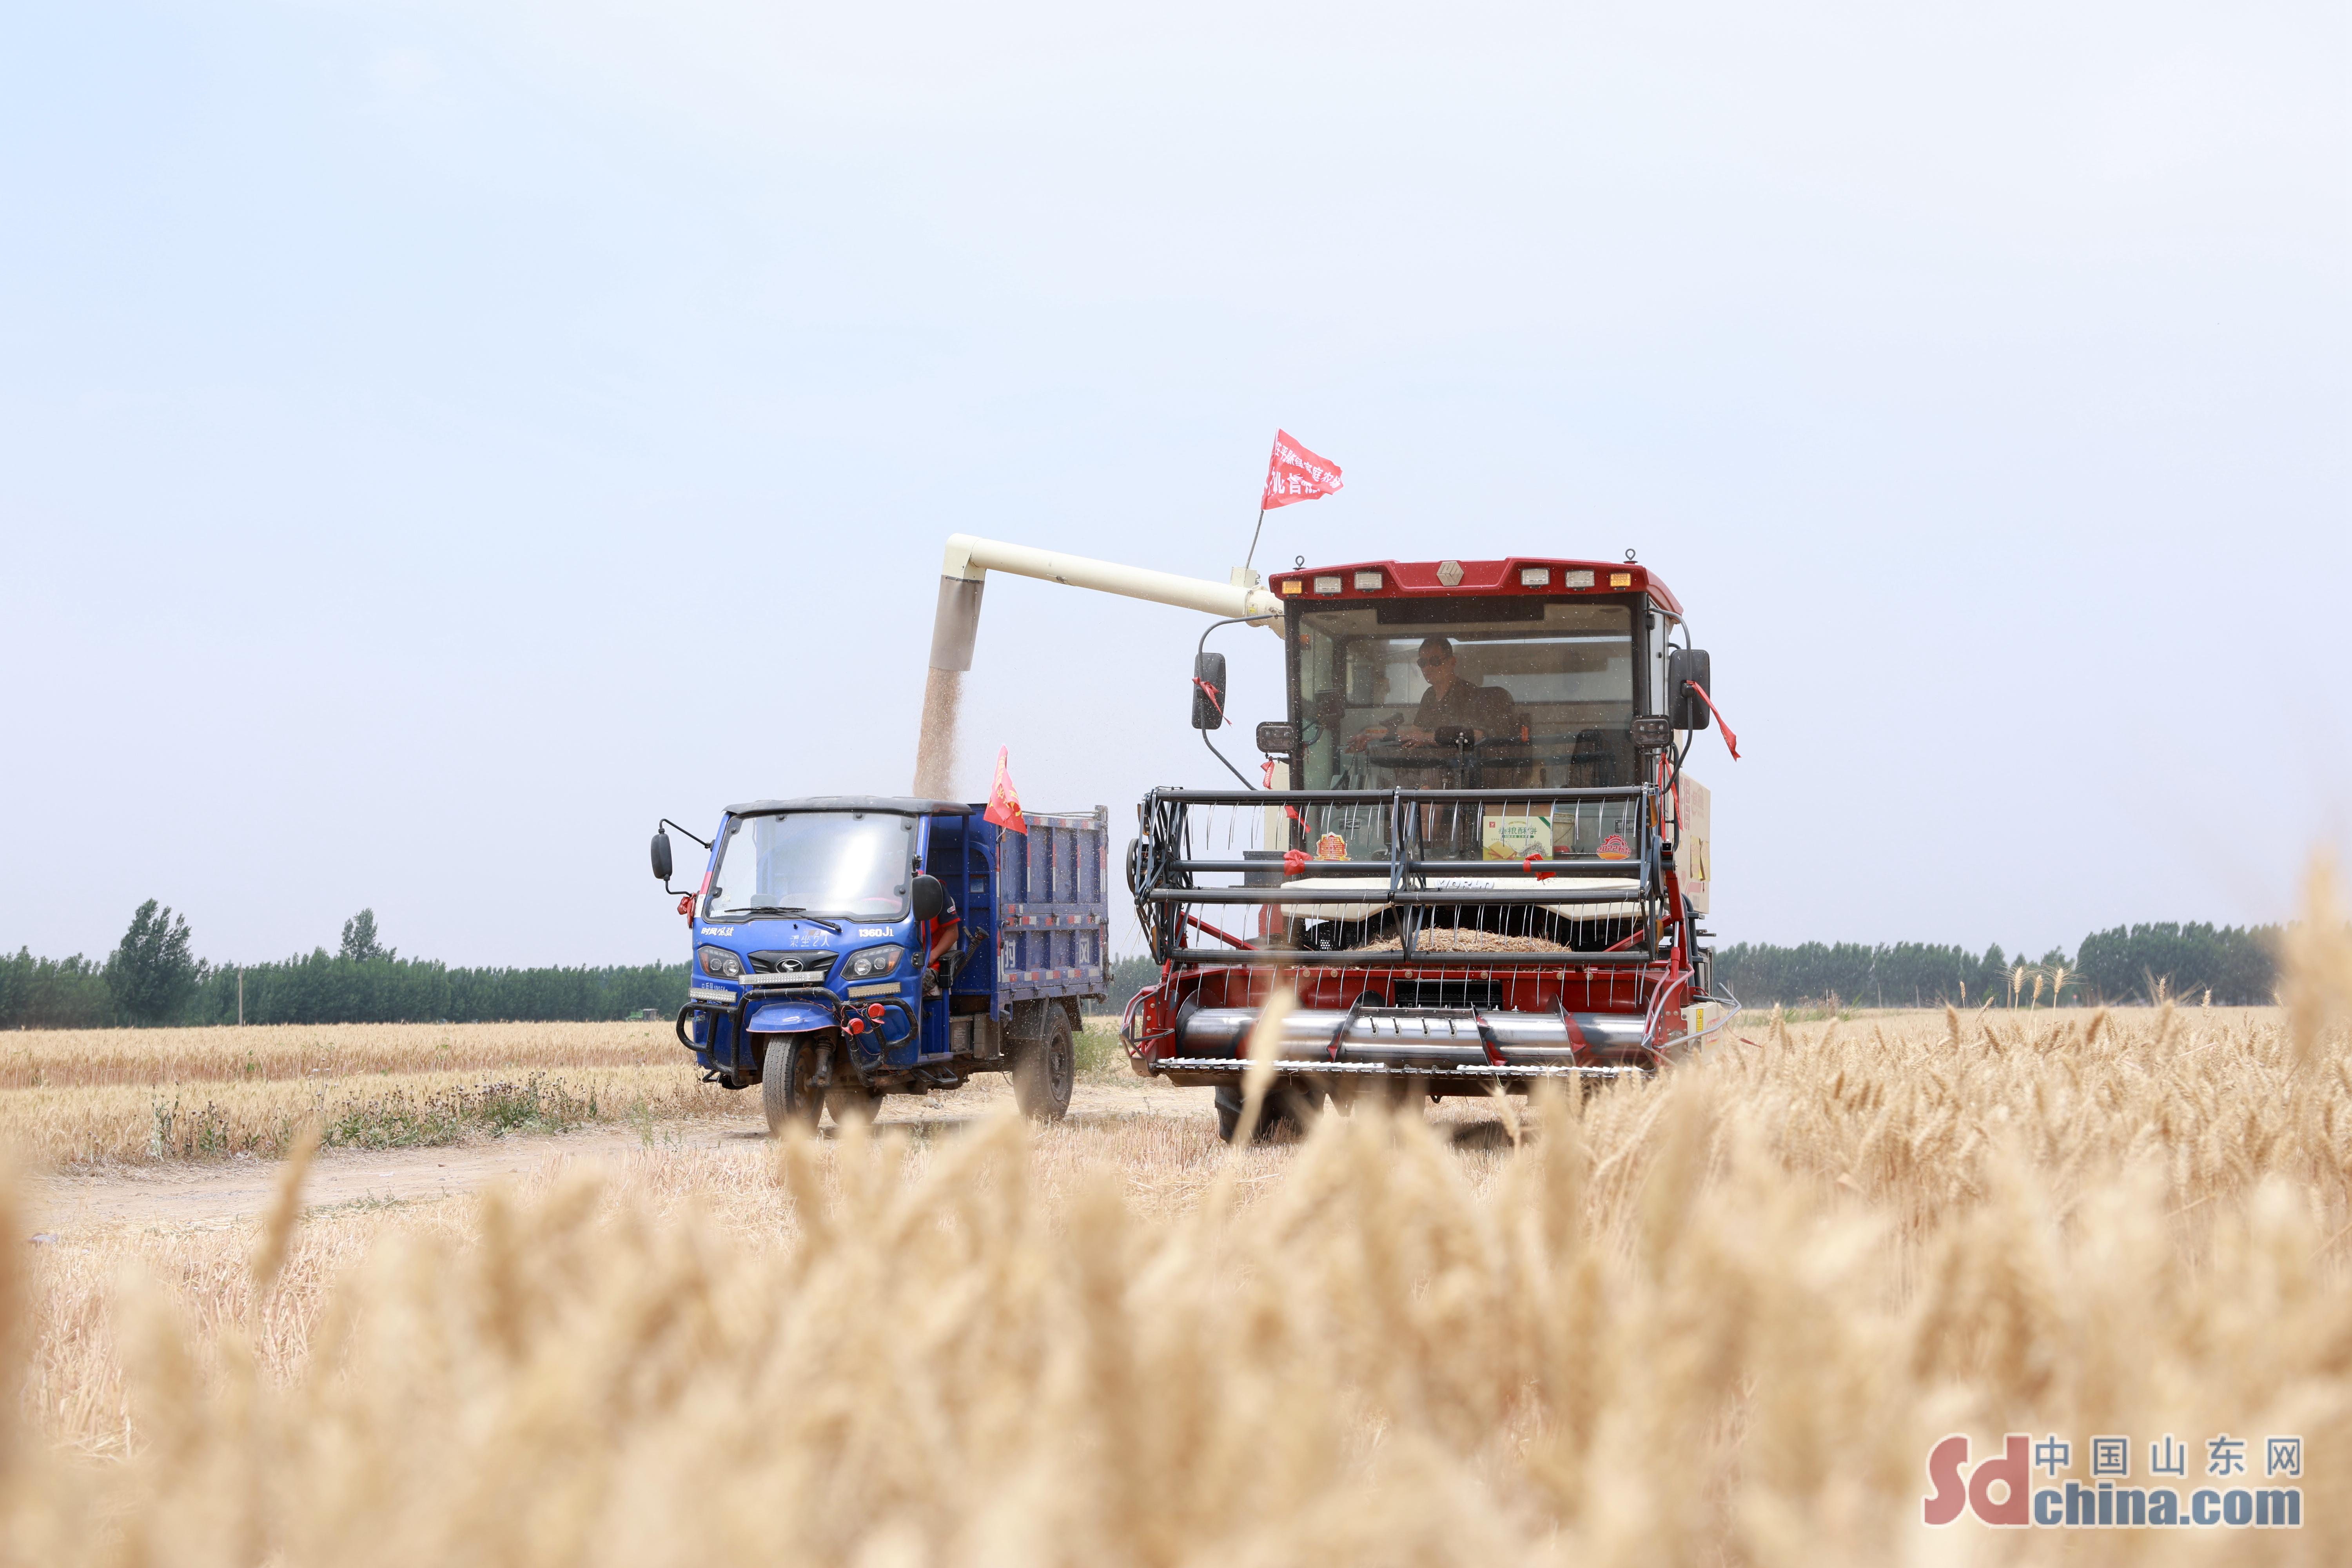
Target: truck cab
(849, 947)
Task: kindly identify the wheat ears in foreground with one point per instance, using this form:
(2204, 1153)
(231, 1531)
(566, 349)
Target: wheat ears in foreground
(1718, 1319)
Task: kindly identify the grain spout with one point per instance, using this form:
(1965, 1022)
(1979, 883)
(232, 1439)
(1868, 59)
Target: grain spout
(954, 629)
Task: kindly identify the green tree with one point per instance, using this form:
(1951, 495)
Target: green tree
(1128, 976)
(359, 943)
(152, 976)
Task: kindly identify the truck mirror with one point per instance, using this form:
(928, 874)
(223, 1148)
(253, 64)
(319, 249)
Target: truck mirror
(1208, 692)
(1688, 666)
(661, 856)
(1277, 740)
(931, 899)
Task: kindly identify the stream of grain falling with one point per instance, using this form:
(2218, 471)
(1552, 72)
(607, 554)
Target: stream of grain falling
(935, 750)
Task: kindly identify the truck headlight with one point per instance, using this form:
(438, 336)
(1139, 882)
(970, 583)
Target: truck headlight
(719, 964)
(872, 962)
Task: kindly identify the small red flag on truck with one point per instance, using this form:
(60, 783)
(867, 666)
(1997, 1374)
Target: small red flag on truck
(1003, 800)
(1296, 474)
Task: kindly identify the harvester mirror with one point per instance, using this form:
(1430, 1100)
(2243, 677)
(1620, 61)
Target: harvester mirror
(1686, 668)
(1277, 740)
(661, 856)
(1208, 692)
(930, 898)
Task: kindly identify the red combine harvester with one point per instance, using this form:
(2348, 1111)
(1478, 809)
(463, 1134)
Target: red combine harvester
(1496, 867)
(1495, 870)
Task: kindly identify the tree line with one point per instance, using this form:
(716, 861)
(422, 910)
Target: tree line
(2235, 965)
(152, 979)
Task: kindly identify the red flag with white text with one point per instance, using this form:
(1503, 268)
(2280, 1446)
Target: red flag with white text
(1003, 800)
(1296, 474)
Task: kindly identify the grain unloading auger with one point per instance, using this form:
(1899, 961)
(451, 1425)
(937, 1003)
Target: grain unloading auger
(1494, 868)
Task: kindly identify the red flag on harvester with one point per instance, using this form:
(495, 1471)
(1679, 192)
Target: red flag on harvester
(1296, 474)
(1003, 800)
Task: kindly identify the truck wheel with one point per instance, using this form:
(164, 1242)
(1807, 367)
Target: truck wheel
(847, 1101)
(1045, 1067)
(786, 1091)
(1289, 1106)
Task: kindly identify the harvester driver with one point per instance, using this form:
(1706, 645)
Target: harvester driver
(1451, 702)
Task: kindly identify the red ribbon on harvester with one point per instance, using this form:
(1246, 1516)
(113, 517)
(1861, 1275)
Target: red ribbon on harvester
(1728, 738)
(1289, 811)
(1529, 864)
(1295, 861)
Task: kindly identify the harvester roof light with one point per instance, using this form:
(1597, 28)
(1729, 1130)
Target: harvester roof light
(1293, 585)
(1576, 579)
(1327, 585)
(1450, 574)
(1621, 579)
(1535, 576)
(1369, 581)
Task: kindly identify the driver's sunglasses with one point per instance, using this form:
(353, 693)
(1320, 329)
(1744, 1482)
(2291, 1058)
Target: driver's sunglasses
(1434, 663)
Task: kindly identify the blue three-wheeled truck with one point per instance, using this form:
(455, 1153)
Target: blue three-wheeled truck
(848, 947)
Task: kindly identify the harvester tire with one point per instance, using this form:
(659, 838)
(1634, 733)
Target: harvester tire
(1393, 1097)
(1045, 1067)
(786, 1093)
(1289, 1108)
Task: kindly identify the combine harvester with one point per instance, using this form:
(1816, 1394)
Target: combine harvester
(1495, 869)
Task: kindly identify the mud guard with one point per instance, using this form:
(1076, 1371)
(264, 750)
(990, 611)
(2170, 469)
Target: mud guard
(794, 1017)
(799, 1016)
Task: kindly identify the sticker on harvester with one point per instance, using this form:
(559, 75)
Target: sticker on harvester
(1516, 838)
(1613, 848)
(1331, 847)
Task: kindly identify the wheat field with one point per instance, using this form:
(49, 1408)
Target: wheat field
(1719, 1318)
(76, 1058)
(130, 1096)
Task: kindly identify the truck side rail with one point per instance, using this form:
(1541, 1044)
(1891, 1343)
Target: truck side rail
(1052, 922)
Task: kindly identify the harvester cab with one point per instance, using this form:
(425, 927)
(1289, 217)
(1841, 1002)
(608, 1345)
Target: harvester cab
(849, 947)
(1478, 862)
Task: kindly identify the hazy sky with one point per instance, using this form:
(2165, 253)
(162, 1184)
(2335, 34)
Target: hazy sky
(435, 440)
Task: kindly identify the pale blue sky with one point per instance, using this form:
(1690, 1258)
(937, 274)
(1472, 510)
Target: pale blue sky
(435, 440)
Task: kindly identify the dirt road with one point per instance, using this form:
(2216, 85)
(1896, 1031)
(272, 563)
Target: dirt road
(209, 1193)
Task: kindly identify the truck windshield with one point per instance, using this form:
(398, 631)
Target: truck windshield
(844, 864)
(1468, 693)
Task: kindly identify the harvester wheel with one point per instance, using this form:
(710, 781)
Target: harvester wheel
(1390, 1095)
(786, 1091)
(1045, 1067)
(1289, 1107)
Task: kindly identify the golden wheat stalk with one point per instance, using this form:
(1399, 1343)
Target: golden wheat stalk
(285, 1209)
(1265, 1051)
